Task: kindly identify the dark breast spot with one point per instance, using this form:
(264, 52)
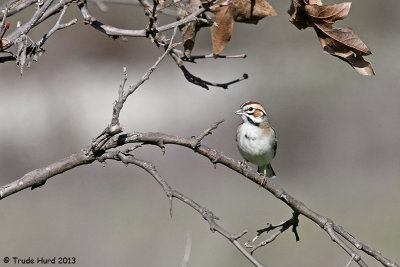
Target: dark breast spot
(248, 137)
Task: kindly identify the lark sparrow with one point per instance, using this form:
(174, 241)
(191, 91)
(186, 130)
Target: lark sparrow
(256, 139)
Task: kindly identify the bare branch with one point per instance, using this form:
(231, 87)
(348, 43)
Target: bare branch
(115, 127)
(16, 6)
(194, 58)
(292, 222)
(54, 9)
(171, 193)
(3, 21)
(56, 27)
(124, 95)
(219, 157)
(39, 176)
(117, 32)
(200, 82)
(24, 29)
(328, 227)
(208, 131)
(363, 247)
(85, 157)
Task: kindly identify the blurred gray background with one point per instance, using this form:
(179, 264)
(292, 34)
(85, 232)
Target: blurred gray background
(338, 149)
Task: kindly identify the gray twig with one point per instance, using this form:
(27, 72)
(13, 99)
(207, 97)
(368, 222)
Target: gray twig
(115, 127)
(24, 29)
(328, 227)
(208, 131)
(56, 27)
(118, 32)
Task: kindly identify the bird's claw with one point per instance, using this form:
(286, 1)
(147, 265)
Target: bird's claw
(244, 164)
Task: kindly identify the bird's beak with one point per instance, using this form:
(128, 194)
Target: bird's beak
(239, 112)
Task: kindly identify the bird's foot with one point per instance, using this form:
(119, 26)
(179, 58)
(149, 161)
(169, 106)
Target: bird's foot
(264, 180)
(244, 164)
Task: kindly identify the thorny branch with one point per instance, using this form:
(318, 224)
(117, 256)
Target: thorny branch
(110, 150)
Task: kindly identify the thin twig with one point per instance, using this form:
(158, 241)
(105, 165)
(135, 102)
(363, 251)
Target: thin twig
(24, 29)
(118, 32)
(328, 227)
(200, 82)
(214, 56)
(208, 131)
(292, 222)
(56, 27)
(115, 127)
(16, 6)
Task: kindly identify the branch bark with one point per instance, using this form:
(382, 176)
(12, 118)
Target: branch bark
(332, 229)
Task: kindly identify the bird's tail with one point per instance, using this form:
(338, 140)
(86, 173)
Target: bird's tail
(269, 171)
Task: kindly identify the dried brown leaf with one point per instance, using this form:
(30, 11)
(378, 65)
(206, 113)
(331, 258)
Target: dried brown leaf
(328, 13)
(346, 37)
(251, 11)
(336, 49)
(246, 11)
(189, 30)
(221, 33)
(298, 17)
(340, 42)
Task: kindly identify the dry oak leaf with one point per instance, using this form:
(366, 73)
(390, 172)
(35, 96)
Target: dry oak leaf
(339, 42)
(245, 11)
(189, 30)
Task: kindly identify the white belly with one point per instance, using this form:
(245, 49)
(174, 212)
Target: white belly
(255, 147)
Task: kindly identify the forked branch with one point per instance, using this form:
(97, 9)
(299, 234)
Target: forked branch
(87, 156)
(285, 225)
(171, 193)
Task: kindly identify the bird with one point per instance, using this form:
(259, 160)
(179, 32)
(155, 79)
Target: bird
(256, 139)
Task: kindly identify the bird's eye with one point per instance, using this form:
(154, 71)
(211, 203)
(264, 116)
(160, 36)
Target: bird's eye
(250, 109)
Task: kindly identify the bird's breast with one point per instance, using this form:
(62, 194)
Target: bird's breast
(255, 144)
